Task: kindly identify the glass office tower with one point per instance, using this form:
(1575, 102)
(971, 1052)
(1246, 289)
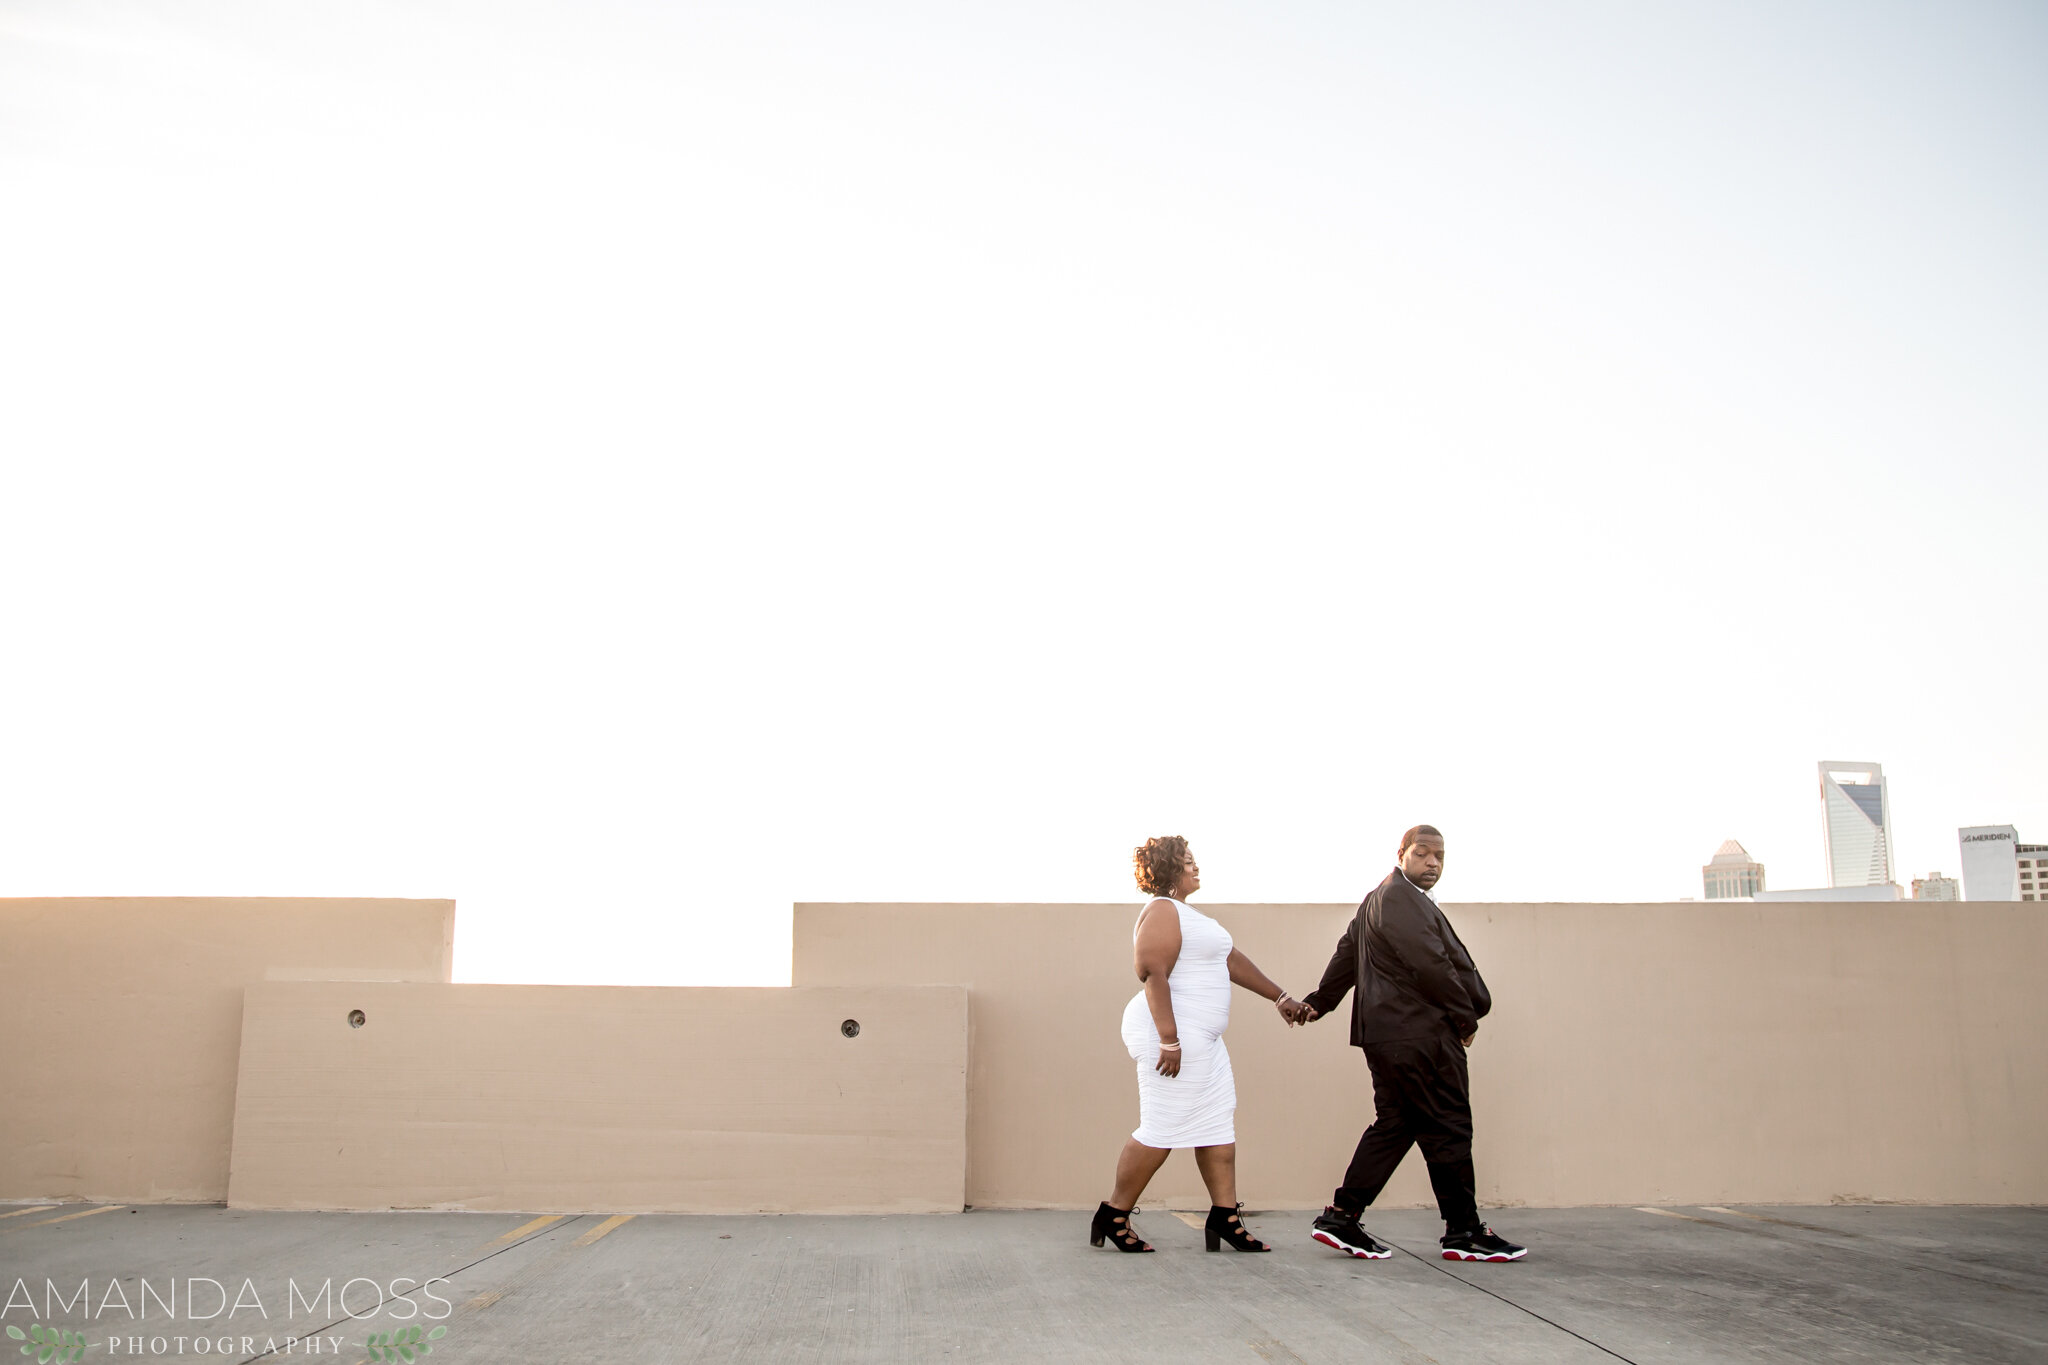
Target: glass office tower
(1856, 819)
(1732, 874)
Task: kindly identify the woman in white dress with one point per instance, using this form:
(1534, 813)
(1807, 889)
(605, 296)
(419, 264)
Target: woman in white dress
(1173, 1029)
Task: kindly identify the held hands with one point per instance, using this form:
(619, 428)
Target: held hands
(1295, 1012)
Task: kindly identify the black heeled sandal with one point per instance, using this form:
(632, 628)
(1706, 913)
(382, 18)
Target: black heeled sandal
(1225, 1225)
(1115, 1224)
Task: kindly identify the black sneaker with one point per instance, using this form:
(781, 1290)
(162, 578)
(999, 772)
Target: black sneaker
(1480, 1244)
(1340, 1231)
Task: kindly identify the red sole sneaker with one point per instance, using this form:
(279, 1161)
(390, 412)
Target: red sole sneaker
(1333, 1244)
(1475, 1256)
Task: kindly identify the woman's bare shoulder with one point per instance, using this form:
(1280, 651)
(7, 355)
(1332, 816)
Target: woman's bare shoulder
(1152, 909)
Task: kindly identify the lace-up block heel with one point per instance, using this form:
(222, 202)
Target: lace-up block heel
(1115, 1224)
(1227, 1225)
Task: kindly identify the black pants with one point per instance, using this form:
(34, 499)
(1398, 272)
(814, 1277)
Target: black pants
(1421, 1096)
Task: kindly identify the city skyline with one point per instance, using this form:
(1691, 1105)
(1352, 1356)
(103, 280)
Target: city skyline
(1856, 836)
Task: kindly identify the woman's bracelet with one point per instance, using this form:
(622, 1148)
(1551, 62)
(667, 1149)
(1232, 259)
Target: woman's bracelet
(1169, 1047)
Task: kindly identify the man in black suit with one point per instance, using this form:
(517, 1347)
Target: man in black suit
(1417, 1009)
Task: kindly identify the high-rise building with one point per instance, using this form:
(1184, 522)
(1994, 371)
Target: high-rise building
(1998, 867)
(2033, 864)
(1856, 820)
(1935, 887)
(1991, 862)
(1732, 873)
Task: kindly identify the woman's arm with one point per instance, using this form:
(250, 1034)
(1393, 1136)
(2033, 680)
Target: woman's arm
(1158, 948)
(1245, 972)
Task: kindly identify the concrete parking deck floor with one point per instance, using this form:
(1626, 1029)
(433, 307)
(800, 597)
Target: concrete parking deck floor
(1683, 1284)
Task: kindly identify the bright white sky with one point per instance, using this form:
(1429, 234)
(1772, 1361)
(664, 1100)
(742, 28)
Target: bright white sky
(630, 467)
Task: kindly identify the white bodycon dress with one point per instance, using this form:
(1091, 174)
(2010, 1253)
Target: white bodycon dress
(1197, 1108)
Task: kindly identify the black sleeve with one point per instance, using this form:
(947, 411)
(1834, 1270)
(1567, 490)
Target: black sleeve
(1475, 986)
(1468, 974)
(1411, 931)
(1339, 976)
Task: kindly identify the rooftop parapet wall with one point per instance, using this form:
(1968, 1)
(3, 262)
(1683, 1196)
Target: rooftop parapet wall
(572, 1099)
(1726, 1052)
(121, 1018)
(1636, 1054)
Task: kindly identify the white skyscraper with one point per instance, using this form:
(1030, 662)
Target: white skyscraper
(1856, 816)
(1991, 862)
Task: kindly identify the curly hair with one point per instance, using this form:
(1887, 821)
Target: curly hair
(1158, 863)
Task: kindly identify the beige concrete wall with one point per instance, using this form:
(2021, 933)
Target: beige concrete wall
(553, 1099)
(1794, 1053)
(120, 1019)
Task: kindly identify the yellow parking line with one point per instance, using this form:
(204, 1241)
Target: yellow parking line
(525, 1228)
(602, 1228)
(1779, 1222)
(40, 1208)
(1667, 1213)
(106, 1208)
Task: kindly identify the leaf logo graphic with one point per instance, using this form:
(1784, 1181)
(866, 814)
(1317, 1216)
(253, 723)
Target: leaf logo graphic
(48, 1343)
(406, 1344)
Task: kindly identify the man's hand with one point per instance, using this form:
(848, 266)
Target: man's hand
(1467, 1039)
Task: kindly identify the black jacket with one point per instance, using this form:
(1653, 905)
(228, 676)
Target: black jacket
(1414, 978)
